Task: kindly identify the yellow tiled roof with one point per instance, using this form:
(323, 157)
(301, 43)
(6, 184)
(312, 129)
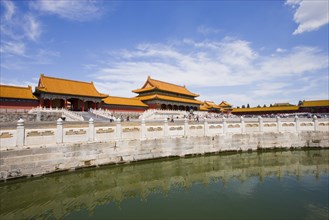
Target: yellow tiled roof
(152, 84)
(169, 98)
(315, 103)
(113, 100)
(266, 109)
(203, 108)
(209, 104)
(16, 92)
(225, 104)
(65, 86)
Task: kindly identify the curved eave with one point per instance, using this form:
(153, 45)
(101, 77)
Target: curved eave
(120, 101)
(163, 90)
(31, 99)
(267, 109)
(101, 96)
(168, 98)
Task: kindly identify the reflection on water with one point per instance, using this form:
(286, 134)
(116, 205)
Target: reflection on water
(284, 185)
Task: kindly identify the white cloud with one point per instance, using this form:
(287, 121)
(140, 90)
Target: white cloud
(280, 50)
(13, 48)
(205, 30)
(32, 27)
(77, 10)
(310, 15)
(208, 67)
(9, 9)
(17, 25)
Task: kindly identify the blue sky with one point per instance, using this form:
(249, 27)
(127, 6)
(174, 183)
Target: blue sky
(256, 52)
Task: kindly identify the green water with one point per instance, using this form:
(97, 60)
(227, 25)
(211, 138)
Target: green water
(269, 185)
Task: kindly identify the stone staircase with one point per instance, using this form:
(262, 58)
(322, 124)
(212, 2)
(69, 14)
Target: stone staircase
(87, 115)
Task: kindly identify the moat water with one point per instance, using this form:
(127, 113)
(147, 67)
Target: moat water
(267, 185)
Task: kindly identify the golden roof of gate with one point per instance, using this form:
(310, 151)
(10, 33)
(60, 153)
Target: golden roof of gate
(224, 104)
(16, 92)
(169, 98)
(266, 109)
(152, 84)
(209, 104)
(114, 100)
(315, 103)
(66, 86)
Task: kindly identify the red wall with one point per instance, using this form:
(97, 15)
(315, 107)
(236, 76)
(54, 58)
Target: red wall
(18, 104)
(123, 108)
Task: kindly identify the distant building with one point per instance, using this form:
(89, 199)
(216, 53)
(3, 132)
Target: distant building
(120, 104)
(226, 107)
(265, 110)
(210, 106)
(16, 97)
(63, 93)
(162, 95)
(316, 106)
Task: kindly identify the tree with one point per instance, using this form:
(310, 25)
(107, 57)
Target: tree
(271, 105)
(300, 103)
(264, 106)
(243, 106)
(248, 106)
(258, 106)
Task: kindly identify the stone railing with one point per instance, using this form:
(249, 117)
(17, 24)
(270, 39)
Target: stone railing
(69, 115)
(104, 113)
(113, 115)
(11, 139)
(163, 114)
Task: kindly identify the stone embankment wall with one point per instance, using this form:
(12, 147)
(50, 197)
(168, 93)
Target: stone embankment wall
(26, 152)
(13, 117)
(125, 182)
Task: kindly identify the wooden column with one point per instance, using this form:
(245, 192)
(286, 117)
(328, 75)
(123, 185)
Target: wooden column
(41, 102)
(83, 105)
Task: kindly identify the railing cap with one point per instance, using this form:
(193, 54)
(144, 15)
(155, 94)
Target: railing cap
(20, 120)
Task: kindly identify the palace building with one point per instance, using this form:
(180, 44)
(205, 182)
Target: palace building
(315, 106)
(120, 104)
(70, 94)
(265, 110)
(210, 106)
(16, 97)
(162, 95)
(226, 107)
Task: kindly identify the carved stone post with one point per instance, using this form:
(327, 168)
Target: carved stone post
(315, 121)
(118, 129)
(143, 129)
(224, 125)
(59, 131)
(260, 121)
(297, 123)
(278, 123)
(20, 133)
(242, 125)
(205, 124)
(185, 127)
(91, 128)
(165, 128)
